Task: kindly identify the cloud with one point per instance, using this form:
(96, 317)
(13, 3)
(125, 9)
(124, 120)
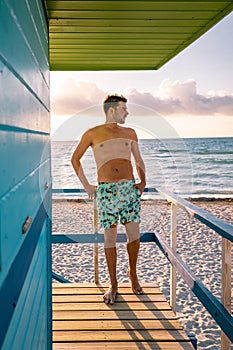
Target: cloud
(177, 98)
(172, 98)
(73, 96)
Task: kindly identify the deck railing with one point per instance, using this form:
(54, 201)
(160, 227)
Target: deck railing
(220, 311)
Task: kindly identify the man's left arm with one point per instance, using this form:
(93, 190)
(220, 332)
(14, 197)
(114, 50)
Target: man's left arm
(140, 166)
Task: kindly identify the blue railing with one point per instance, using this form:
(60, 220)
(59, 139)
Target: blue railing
(220, 311)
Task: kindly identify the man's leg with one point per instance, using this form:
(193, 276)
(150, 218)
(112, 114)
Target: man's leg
(111, 258)
(132, 229)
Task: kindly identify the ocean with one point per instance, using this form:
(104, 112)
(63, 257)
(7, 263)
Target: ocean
(192, 168)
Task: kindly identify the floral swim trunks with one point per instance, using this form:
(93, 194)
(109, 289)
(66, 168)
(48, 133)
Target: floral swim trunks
(118, 200)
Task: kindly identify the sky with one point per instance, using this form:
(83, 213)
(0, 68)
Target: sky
(190, 96)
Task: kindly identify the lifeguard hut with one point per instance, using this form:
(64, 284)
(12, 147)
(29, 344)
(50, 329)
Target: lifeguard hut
(36, 37)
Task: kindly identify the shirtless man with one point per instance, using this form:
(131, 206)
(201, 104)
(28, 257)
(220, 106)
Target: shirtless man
(118, 196)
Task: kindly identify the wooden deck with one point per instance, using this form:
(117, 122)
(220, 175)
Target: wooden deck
(82, 321)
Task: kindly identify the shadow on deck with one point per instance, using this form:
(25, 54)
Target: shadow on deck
(81, 320)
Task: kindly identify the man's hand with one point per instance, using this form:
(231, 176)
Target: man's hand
(140, 186)
(91, 191)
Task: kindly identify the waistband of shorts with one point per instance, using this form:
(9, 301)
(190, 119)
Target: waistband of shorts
(117, 182)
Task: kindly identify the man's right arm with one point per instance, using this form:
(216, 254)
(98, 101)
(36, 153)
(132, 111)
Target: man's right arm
(83, 145)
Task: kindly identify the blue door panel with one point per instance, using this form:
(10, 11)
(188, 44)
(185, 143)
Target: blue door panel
(25, 177)
(43, 33)
(34, 19)
(20, 154)
(40, 333)
(40, 33)
(33, 334)
(23, 308)
(19, 204)
(20, 107)
(43, 331)
(32, 29)
(20, 56)
(24, 331)
(30, 326)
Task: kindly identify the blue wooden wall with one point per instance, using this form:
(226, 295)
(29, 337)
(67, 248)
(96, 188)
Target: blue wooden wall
(25, 177)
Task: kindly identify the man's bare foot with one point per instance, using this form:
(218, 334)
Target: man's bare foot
(111, 295)
(136, 288)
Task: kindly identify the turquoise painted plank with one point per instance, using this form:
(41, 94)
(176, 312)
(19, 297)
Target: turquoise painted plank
(22, 308)
(44, 342)
(40, 338)
(22, 202)
(24, 100)
(32, 326)
(33, 337)
(20, 56)
(40, 315)
(25, 171)
(28, 309)
(25, 152)
(37, 13)
(19, 106)
(81, 190)
(33, 17)
(68, 238)
(44, 21)
(11, 287)
(32, 25)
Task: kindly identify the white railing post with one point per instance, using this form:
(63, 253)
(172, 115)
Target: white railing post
(173, 246)
(96, 249)
(226, 286)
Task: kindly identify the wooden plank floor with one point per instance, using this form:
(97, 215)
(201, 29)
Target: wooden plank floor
(82, 321)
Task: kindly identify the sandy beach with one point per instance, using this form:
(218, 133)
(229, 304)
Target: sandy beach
(199, 247)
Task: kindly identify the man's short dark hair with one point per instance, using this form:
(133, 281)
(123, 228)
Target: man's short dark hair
(112, 101)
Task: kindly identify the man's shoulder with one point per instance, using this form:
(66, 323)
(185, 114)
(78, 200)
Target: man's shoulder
(131, 132)
(93, 134)
(96, 128)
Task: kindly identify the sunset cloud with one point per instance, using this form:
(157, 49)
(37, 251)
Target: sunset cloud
(177, 98)
(74, 96)
(171, 98)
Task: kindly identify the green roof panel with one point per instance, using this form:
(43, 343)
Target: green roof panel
(126, 35)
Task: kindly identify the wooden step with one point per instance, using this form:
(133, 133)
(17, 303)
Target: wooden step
(81, 320)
